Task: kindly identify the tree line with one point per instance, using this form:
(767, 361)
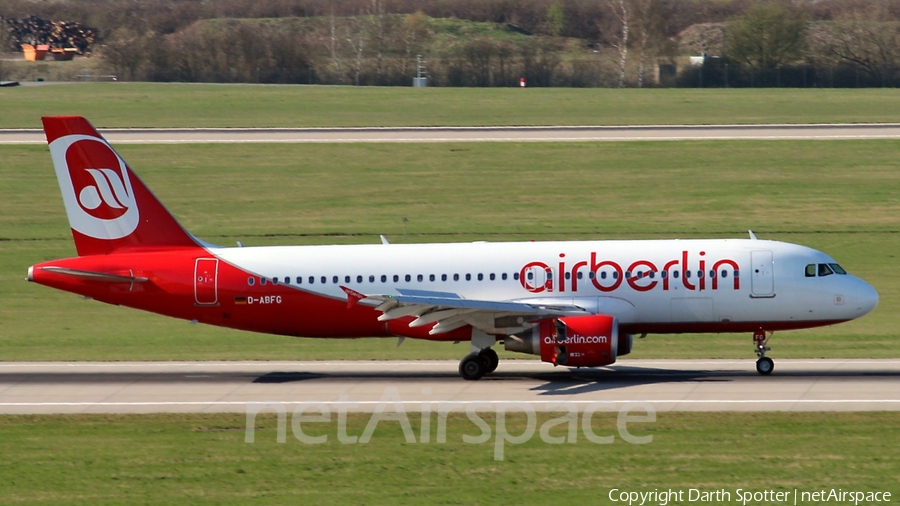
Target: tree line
(549, 42)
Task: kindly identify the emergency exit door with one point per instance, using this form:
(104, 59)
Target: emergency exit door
(206, 290)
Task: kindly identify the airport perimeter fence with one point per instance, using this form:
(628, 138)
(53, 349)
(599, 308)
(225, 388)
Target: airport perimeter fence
(719, 74)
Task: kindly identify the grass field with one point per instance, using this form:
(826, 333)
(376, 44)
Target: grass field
(840, 197)
(210, 105)
(203, 459)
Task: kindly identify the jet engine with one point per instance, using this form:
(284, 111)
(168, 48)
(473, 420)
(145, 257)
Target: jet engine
(574, 341)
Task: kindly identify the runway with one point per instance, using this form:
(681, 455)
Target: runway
(668, 385)
(472, 134)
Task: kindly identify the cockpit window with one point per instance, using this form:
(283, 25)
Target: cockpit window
(837, 269)
(811, 270)
(824, 270)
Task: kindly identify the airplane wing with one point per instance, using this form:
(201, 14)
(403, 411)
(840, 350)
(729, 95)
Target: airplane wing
(449, 311)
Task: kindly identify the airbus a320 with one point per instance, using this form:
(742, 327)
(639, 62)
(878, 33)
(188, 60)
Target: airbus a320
(576, 304)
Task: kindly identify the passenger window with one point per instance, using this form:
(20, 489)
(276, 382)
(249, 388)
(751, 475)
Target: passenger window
(431, 277)
(687, 274)
(737, 274)
(396, 278)
(371, 278)
(615, 274)
(420, 278)
(456, 277)
(568, 275)
(811, 270)
(408, 278)
(468, 277)
(603, 275)
(724, 273)
(312, 279)
(275, 280)
(700, 274)
(251, 281)
(503, 276)
(580, 275)
(516, 276)
(299, 280)
(837, 269)
(346, 279)
(287, 280)
(335, 279)
(493, 277)
(530, 276)
(824, 270)
(480, 276)
(324, 280)
(591, 275)
(663, 274)
(443, 277)
(675, 274)
(549, 275)
(383, 278)
(262, 281)
(712, 274)
(359, 279)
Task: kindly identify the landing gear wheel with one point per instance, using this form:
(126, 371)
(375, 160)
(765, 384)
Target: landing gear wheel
(491, 359)
(473, 367)
(765, 365)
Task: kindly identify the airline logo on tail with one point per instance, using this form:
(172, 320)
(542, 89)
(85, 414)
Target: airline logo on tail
(95, 187)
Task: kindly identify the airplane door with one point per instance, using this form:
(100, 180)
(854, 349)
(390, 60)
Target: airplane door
(206, 281)
(763, 274)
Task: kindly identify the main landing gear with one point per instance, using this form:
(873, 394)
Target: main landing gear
(764, 364)
(477, 364)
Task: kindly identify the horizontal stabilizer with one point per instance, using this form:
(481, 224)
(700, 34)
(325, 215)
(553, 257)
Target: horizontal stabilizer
(93, 276)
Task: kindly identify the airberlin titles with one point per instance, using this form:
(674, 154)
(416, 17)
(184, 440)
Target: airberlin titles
(640, 275)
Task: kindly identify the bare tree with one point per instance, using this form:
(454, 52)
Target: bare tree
(124, 52)
(622, 11)
(415, 34)
(356, 39)
(864, 40)
(333, 48)
(378, 29)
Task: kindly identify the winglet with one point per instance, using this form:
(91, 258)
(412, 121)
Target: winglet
(384, 240)
(752, 235)
(353, 297)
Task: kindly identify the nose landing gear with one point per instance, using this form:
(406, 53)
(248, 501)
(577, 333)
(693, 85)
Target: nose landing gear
(476, 365)
(764, 364)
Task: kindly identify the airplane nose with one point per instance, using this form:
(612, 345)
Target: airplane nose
(866, 298)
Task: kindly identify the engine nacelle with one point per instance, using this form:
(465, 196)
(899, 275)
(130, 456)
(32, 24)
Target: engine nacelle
(575, 341)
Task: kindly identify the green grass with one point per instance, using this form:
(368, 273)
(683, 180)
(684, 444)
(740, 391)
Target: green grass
(202, 459)
(840, 197)
(210, 105)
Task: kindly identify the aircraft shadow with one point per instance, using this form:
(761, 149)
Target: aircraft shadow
(552, 382)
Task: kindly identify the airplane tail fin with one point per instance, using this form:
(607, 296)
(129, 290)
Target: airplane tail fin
(108, 206)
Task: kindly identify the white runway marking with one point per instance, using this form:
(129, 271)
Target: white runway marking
(477, 134)
(668, 385)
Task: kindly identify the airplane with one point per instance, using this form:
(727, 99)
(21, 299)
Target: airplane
(573, 303)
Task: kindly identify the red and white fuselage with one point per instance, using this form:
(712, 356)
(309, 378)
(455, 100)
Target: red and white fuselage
(132, 252)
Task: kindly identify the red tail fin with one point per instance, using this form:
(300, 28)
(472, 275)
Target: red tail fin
(109, 208)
